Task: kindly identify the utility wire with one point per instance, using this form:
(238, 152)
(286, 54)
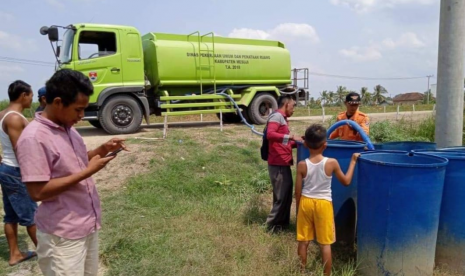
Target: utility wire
(364, 78)
(52, 64)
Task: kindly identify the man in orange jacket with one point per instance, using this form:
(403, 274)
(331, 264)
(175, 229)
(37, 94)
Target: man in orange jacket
(346, 132)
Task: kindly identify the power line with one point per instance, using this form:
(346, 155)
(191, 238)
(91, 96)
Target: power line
(52, 64)
(364, 78)
(27, 61)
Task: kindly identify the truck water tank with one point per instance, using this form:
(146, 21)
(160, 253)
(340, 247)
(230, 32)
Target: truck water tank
(399, 201)
(175, 60)
(344, 198)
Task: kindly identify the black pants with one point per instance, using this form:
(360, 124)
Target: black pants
(281, 180)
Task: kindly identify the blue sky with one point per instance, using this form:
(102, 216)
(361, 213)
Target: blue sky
(366, 38)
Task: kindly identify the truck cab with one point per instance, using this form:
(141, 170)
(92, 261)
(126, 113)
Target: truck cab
(112, 57)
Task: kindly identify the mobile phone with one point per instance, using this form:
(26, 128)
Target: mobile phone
(114, 152)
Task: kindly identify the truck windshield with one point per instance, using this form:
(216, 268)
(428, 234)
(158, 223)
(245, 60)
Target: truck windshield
(67, 46)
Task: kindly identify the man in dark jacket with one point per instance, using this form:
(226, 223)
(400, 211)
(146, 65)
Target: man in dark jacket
(280, 160)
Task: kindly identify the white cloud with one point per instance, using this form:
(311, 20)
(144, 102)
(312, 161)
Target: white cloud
(6, 17)
(362, 54)
(362, 6)
(374, 51)
(407, 40)
(249, 33)
(286, 32)
(16, 43)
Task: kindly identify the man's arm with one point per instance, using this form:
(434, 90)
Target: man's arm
(40, 191)
(272, 133)
(14, 126)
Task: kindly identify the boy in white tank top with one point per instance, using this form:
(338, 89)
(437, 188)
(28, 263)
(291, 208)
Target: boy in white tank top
(315, 215)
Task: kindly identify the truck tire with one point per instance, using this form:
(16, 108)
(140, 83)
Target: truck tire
(95, 123)
(121, 115)
(259, 109)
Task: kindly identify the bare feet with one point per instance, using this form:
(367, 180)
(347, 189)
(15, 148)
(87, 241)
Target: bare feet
(14, 260)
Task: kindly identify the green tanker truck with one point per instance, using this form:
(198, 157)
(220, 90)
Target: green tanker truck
(171, 75)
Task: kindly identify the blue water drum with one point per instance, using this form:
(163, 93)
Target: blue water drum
(405, 146)
(460, 148)
(450, 247)
(399, 201)
(344, 198)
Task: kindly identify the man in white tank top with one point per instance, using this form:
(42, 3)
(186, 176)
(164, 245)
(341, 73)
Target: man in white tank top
(315, 215)
(18, 206)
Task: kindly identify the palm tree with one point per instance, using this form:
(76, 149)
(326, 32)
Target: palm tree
(331, 97)
(341, 93)
(324, 97)
(366, 96)
(378, 94)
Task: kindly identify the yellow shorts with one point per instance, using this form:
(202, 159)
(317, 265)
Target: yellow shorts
(316, 217)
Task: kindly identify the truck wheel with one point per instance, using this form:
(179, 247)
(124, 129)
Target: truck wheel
(95, 123)
(259, 109)
(121, 115)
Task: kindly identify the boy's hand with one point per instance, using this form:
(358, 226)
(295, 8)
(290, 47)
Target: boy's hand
(97, 163)
(355, 156)
(115, 144)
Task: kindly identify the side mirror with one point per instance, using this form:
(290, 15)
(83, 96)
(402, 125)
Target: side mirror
(58, 51)
(44, 30)
(53, 34)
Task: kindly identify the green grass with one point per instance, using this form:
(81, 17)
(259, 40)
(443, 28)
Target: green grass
(334, 110)
(201, 211)
(403, 130)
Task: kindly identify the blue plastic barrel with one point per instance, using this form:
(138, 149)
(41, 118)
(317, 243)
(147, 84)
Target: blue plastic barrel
(399, 201)
(344, 198)
(460, 148)
(405, 146)
(450, 248)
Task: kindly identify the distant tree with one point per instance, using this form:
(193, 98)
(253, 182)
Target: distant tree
(331, 97)
(324, 97)
(366, 96)
(341, 93)
(378, 94)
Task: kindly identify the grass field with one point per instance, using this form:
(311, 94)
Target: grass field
(201, 211)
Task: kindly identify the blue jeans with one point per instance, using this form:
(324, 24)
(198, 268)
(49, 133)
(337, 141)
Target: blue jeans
(17, 204)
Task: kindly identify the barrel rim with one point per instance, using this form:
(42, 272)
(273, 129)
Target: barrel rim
(448, 154)
(456, 149)
(342, 144)
(407, 142)
(443, 161)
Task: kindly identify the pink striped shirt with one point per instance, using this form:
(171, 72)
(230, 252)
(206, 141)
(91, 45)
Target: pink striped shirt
(46, 151)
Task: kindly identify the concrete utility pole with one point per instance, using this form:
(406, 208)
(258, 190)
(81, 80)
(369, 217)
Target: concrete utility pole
(449, 114)
(428, 91)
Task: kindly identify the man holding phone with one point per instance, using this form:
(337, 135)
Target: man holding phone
(57, 170)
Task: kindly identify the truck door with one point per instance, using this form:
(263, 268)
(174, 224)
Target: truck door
(132, 59)
(98, 56)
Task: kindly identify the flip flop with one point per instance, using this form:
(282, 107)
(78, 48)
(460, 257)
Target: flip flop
(29, 255)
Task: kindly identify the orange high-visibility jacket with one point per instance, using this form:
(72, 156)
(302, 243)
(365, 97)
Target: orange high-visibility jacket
(346, 132)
